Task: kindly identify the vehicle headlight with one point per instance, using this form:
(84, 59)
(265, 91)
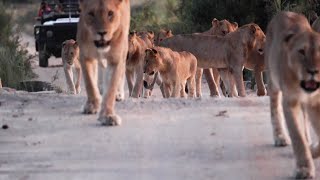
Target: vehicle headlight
(49, 34)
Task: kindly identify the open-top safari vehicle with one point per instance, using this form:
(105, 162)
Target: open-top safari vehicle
(56, 25)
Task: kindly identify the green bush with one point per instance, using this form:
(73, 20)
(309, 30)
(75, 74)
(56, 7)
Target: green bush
(15, 62)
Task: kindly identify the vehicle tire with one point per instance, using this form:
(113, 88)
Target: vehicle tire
(43, 59)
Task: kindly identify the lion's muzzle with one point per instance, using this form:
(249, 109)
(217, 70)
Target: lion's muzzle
(310, 85)
(101, 43)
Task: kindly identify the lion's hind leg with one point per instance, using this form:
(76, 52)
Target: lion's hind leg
(198, 82)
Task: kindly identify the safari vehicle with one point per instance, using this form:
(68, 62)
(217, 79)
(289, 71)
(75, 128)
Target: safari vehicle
(54, 27)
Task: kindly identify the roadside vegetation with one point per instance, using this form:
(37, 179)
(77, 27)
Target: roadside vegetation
(15, 62)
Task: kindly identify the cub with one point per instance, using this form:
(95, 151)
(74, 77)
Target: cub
(70, 59)
(102, 35)
(175, 68)
(292, 54)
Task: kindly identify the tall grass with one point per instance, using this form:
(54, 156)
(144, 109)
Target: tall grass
(15, 62)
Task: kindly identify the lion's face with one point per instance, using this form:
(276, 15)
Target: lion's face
(223, 27)
(304, 60)
(152, 62)
(163, 34)
(257, 37)
(70, 51)
(102, 17)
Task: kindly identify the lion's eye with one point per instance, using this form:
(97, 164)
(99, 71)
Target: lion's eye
(71, 53)
(91, 13)
(302, 52)
(110, 14)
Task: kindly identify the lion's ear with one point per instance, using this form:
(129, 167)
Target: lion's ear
(75, 44)
(215, 22)
(235, 25)
(169, 32)
(64, 43)
(253, 29)
(155, 52)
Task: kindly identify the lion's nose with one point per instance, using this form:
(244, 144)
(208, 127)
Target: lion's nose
(102, 33)
(312, 71)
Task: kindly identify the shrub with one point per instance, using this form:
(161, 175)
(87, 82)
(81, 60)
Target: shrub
(15, 62)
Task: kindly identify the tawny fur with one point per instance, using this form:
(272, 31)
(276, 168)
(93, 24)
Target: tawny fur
(292, 57)
(135, 63)
(102, 35)
(212, 75)
(175, 68)
(230, 51)
(70, 60)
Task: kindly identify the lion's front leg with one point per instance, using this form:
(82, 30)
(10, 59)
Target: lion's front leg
(113, 77)
(198, 82)
(90, 74)
(69, 79)
(314, 114)
(280, 136)
(79, 76)
(130, 77)
(260, 84)
(304, 162)
(137, 89)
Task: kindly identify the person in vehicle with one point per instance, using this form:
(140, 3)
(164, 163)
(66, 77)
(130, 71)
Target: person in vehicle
(44, 9)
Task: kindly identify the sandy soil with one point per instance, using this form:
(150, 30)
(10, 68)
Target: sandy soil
(209, 138)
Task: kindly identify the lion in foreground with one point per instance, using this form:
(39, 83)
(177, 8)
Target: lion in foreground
(70, 59)
(292, 54)
(175, 68)
(102, 35)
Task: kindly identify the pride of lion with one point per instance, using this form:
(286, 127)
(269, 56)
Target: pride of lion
(289, 52)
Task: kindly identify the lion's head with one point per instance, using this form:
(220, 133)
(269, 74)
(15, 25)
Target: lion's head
(103, 19)
(146, 34)
(255, 36)
(163, 34)
(70, 51)
(222, 27)
(152, 61)
(132, 39)
(303, 59)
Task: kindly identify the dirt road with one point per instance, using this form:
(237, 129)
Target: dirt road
(209, 138)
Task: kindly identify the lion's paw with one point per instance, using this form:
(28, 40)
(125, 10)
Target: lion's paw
(281, 141)
(305, 173)
(315, 150)
(91, 107)
(78, 90)
(119, 97)
(261, 92)
(110, 120)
